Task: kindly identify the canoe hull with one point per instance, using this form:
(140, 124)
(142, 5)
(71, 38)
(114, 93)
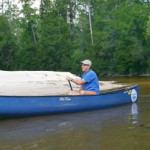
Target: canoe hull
(45, 105)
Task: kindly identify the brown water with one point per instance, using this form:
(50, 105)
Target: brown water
(119, 128)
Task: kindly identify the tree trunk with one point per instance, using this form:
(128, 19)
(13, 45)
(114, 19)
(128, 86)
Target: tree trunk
(91, 30)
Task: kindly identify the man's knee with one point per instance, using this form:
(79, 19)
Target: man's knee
(73, 93)
(82, 92)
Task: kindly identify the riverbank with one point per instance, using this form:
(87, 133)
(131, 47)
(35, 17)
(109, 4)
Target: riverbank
(31, 83)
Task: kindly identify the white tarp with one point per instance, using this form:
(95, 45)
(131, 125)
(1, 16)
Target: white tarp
(41, 83)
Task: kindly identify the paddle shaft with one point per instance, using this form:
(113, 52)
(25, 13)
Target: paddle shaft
(70, 86)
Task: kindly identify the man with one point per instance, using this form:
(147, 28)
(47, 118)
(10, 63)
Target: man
(89, 80)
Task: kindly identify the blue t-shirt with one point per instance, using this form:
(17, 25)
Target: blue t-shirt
(92, 83)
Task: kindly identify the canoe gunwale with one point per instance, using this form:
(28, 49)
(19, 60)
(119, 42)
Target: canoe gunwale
(102, 93)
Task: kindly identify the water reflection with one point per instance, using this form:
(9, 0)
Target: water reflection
(134, 113)
(133, 116)
(53, 128)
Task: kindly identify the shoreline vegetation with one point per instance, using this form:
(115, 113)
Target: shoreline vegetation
(128, 75)
(42, 83)
(59, 34)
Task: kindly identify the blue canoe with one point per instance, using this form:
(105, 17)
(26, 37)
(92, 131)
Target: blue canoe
(44, 105)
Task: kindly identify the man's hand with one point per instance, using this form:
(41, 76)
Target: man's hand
(68, 78)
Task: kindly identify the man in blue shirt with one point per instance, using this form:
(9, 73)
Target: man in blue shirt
(89, 81)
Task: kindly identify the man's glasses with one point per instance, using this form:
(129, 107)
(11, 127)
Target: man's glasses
(85, 65)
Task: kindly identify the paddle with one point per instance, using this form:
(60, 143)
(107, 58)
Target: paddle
(70, 85)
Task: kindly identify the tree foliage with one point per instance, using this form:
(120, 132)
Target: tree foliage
(113, 34)
(7, 44)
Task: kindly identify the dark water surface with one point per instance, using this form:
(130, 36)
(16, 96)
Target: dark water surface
(119, 128)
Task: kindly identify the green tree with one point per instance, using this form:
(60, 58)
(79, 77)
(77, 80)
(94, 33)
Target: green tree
(148, 43)
(113, 34)
(119, 28)
(148, 27)
(132, 19)
(7, 44)
(55, 38)
(28, 41)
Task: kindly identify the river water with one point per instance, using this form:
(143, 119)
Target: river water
(119, 128)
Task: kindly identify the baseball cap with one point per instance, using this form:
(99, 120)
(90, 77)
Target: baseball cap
(86, 62)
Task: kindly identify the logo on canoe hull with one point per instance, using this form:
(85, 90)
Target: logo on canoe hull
(65, 99)
(133, 95)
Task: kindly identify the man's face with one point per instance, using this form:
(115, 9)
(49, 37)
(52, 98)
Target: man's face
(85, 67)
